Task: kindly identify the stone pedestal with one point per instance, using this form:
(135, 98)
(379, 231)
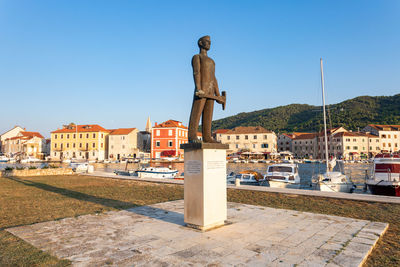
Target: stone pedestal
(205, 185)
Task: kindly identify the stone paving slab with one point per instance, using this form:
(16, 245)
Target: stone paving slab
(255, 236)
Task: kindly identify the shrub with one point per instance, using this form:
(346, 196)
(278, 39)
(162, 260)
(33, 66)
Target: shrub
(20, 168)
(9, 168)
(53, 166)
(32, 168)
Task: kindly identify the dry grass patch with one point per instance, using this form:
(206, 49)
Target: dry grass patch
(31, 200)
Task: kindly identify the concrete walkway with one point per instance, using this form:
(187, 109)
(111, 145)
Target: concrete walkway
(255, 236)
(362, 197)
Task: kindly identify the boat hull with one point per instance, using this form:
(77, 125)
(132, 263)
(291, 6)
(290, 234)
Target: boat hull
(144, 174)
(344, 188)
(385, 190)
(279, 184)
(233, 181)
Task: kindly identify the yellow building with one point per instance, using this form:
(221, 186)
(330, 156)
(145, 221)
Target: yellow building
(83, 142)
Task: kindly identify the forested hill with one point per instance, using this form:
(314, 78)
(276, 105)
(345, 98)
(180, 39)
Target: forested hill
(351, 114)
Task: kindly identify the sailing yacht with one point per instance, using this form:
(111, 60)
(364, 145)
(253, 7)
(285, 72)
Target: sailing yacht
(331, 181)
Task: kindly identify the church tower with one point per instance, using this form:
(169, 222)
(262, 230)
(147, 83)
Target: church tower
(148, 125)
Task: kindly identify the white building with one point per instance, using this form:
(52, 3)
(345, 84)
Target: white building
(25, 144)
(389, 136)
(252, 139)
(9, 134)
(122, 143)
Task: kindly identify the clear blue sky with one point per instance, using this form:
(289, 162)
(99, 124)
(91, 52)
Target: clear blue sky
(115, 63)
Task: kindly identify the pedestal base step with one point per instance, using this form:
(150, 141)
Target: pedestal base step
(207, 227)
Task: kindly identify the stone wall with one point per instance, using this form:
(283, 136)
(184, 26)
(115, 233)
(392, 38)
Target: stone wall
(36, 172)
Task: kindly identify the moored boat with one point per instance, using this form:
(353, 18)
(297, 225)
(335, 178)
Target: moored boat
(334, 182)
(283, 176)
(385, 178)
(248, 177)
(30, 160)
(156, 172)
(4, 159)
(330, 180)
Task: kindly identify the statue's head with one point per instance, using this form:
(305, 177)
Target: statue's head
(204, 42)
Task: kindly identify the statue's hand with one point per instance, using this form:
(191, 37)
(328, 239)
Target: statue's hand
(219, 101)
(200, 93)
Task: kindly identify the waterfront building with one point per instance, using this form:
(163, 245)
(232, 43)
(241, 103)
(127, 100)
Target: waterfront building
(87, 141)
(9, 134)
(353, 145)
(304, 145)
(342, 144)
(25, 144)
(334, 149)
(144, 138)
(47, 146)
(123, 142)
(389, 136)
(285, 142)
(217, 134)
(166, 139)
(249, 139)
(144, 141)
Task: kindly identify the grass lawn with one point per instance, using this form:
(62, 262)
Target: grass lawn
(31, 200)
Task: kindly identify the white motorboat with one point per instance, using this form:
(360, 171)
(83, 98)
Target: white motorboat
(4, 159)
(30, 160)
(81, 167)
(334, 182)
(283, 176)
(126, 172)
(385, 178)
(157, 172)
(246, 178)
(230, 178)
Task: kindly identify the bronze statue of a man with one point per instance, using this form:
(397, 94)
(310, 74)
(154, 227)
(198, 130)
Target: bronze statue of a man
(205, 92)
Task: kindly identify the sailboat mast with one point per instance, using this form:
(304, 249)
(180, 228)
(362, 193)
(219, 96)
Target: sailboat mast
(323, 108)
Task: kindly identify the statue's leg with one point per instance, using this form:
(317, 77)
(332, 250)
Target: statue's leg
(195, 114)
(207, 120)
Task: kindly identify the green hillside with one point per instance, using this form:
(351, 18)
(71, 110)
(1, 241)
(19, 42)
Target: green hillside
(351, 114)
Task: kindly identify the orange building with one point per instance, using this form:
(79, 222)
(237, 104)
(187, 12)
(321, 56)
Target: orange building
(166, 139)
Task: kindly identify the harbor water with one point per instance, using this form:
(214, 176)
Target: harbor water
(355, 171)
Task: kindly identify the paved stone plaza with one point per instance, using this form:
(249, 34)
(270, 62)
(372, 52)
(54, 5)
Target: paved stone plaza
(255, 236)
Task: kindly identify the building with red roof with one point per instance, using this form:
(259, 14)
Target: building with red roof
(166, 139)
(389, 136)
(8, 134)
(254, 139)
(25, 144)
(87, 141)
(285, 141)
(341, 143)
(123, 142)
